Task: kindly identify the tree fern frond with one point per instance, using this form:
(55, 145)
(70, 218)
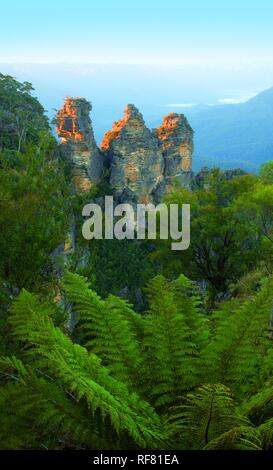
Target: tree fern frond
(82, 374)
(32, 401)
(239, 354)
(204, 415)
(266, 432)
(109, 328)
(237, 438)
(172, 346)
(259, 407)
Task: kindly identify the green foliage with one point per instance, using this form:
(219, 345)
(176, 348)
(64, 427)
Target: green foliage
(34, 193)
(21, 115)
(231, 225)
(241, 348)
(193, 370)
(238, 438)
(266, 172)
(172, 349)
(259, 407)
(34, 209)
(108, 328)
(137, 381)
(209, 413)
(266, 432)
(119, 265)
(50, 361)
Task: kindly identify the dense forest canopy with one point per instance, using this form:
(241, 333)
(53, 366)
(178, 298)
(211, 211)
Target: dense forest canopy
(128, 344)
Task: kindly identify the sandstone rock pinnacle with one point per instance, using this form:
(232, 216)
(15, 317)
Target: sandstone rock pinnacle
(78, 143)
(143, 164)
(176, 136)
(135, 157)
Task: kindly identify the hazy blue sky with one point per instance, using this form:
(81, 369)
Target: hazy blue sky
(158, 54)
(228, 33)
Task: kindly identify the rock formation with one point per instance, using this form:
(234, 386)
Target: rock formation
(200, 179)
(78, 143)
(135, 158)
(176, 136)
(143, 164)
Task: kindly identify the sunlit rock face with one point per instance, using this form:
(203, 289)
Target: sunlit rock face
(74, 127)
(135, 158)
(145, 164)
(176, 137)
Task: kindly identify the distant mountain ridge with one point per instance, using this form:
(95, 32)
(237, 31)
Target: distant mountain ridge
(234, 135)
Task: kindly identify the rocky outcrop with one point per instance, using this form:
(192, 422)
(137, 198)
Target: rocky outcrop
(74, 127)
(144, 164)
(176, 137)
(201, 179)
(135, 158)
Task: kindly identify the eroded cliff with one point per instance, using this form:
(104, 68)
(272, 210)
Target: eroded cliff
(176, 136)
(78, 143)
(135, 157)
(143, 164)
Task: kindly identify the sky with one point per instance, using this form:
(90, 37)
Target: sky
(228, 33)
(156, 53)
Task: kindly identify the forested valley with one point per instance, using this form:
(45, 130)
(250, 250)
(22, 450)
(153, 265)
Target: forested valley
(128, 344)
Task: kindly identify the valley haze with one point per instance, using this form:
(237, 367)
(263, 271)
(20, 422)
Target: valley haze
(232, 122)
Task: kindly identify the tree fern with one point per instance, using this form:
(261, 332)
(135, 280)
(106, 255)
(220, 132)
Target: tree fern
(259, 407)
(266, 433)
(188, 300)
(240, 350)
(170, 345)
(31, 401)
(81, 374)
(109, 328)
(203, 416)
(237, 438)
(102, 394)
